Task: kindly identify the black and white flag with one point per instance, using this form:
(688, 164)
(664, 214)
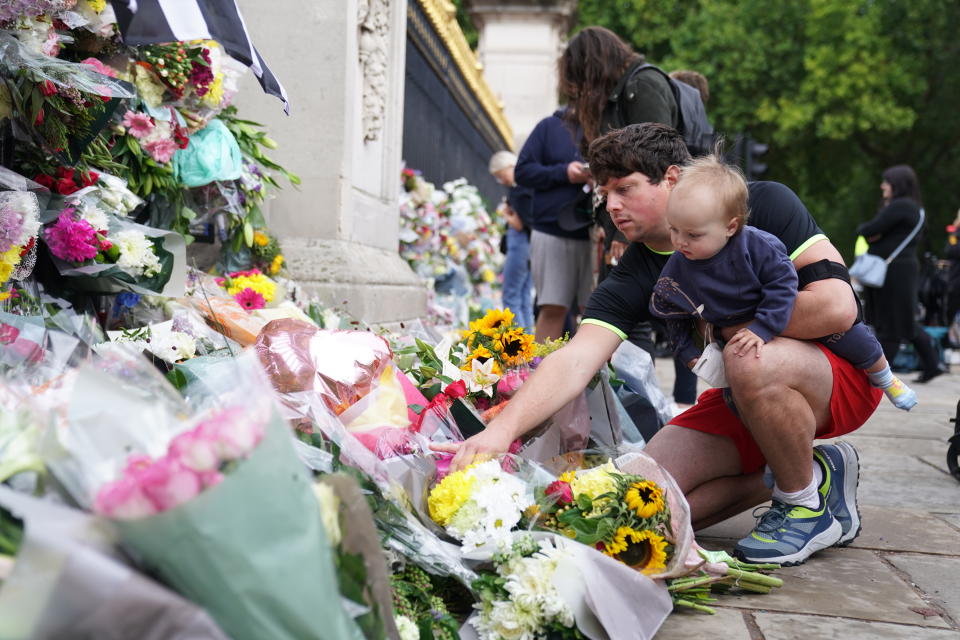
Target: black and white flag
(145, 22)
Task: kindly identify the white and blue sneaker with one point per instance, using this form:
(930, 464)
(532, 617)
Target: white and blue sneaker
(841, 467)
(788, 534)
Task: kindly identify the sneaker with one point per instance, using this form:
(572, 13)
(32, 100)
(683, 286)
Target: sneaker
(789, 534)
(841, 476)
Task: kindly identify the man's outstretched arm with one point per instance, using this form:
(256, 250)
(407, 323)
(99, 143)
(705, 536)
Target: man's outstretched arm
(556, 381)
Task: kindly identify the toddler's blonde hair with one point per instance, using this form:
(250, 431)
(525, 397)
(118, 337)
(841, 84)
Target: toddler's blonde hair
(724, 181)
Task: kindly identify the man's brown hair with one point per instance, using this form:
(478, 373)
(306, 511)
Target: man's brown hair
(649, 148)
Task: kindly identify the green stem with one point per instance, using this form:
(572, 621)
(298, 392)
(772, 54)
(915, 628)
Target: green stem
(693, 605)
(690, 583)
(755, 578)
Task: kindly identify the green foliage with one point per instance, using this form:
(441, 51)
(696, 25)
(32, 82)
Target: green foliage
(840, 89)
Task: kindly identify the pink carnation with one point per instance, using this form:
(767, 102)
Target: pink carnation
(123, 499)
(161, 150)
(72, 240)
(250, 299)
(168, 483)
(195, 451)
(139, 125)
(233, 433)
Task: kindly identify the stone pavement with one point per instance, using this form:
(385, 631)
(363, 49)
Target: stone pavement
(900, 579)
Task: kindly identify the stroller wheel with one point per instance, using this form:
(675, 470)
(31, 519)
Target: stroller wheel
(953, 459)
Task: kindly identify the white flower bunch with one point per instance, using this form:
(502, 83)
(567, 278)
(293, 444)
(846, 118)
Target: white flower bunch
(497, 501)
(136, 254)
(173, 346)
(533, 601)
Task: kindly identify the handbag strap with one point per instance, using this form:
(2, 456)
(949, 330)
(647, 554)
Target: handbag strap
(906, 240)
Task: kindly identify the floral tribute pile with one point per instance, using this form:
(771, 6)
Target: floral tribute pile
(125, 145)
(449, 238)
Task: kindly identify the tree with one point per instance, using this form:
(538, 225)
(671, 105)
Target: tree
(840, 88)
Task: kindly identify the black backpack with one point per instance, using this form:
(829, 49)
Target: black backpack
(696, 130)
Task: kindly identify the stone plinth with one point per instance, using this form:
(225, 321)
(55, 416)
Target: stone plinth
(341, 62)
(520, 42)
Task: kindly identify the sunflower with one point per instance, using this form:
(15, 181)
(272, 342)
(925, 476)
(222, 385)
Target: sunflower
(645, 550)
(645, 498)
(481, 354)
(494, 323)
(515, 346)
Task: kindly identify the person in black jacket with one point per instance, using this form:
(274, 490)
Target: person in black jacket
(891, 309)
(952, 253)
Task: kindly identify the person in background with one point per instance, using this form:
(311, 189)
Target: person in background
(891, 308)
(694, 79)
(551, 165)
(952, 253)
(518, 214)
(600, 76)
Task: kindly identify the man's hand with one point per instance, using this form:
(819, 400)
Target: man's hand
(481, 447)
(577, 172)
(743, 341)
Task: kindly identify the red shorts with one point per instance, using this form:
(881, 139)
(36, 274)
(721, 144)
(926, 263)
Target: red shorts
(852, 402)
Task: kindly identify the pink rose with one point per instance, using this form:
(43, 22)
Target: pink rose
(233, 433)
(168, 483)
(561, 491)
(195, 450)
(123, 499)
(510, 382)
(211, 478)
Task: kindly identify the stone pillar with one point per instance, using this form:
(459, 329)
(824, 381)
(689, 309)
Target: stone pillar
(520, 42)
(341, 63)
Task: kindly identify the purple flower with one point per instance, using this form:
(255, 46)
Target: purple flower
(11, 228)
(72, 240)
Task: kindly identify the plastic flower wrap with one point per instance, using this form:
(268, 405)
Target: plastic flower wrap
(218, 506)
(19, 224)
(480, 504)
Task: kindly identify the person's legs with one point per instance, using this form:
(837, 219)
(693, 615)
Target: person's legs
(860, 347)
(927, 355)
(550, 322)
(684, 384)
(783, 398)
(516, 278)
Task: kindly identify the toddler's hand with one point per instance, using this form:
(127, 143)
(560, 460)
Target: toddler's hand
(743, 341)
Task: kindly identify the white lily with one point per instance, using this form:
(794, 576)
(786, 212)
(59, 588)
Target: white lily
(481, 378)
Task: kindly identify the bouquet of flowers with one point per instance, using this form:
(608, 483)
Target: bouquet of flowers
(520, 599)
(480, 504)
(623, 515)
(251, 288)
(19, 224)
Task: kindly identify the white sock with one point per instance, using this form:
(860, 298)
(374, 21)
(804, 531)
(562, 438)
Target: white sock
(808, 497)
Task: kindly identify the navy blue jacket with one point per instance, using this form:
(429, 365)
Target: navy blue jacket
(542, 166)
(751, 279)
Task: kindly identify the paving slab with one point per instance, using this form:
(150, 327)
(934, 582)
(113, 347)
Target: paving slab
(952, 518)
(937, 577)
(687, 625)
(849, 583)
(779, 626)
(890, 529)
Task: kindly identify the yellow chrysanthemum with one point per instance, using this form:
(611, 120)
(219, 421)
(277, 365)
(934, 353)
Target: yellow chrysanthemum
(515, 346)
(645, 498)
(568, 476)
(276, 265)
(494, 323)
(258, 282)
(8, 260)
(644, 550)
(260, 239)
(595, 482)
(449, 495)
(97, 5)
(5, 294)
(214, 95)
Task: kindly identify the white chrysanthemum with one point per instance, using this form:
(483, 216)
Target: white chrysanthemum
(136, 254)
(174, 346)
(96, 216)
(509, 621)
(407, 628)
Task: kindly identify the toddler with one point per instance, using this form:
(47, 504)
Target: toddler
(729, 273)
